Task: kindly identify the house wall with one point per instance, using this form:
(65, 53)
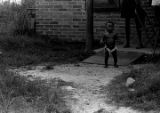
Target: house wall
(61, 18)
(67, 19)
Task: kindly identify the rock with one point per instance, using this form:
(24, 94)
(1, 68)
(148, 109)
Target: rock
(131, 90)
(102, 111)
(130, 81)
(30, 77)
(68, 88)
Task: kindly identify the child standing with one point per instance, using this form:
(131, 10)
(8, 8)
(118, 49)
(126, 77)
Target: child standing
(109, 41)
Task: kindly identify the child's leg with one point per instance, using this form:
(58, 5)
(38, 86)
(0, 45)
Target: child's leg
(106, 57)
(114, 54)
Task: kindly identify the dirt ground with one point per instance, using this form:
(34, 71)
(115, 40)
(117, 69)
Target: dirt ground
(88, 79)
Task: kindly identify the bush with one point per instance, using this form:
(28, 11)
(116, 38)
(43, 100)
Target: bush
(16, 18)
(19, 42)
(27, 50)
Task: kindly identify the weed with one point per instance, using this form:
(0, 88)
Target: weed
(24, 50)
(41, 95)
(146, 97)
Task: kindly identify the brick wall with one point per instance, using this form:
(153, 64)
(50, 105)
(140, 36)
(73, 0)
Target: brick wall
(61, 18)
(67, 19)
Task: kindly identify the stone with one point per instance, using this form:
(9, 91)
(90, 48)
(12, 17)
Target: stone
(30, 77)
(102, 111)
(131, 90)
(68, 88)
(130, 81)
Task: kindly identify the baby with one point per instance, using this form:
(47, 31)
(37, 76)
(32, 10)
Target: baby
(109, 41)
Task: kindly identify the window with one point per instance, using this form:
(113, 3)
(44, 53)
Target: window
(107, 5)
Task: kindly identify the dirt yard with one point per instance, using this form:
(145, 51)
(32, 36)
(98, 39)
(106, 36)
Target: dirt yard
(85, 95)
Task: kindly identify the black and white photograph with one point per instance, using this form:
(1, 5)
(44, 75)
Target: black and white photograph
(79, 56)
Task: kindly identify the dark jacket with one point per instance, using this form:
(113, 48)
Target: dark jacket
(130, 6)
(128, 9)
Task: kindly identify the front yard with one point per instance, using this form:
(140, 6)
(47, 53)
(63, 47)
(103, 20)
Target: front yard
(45, 75)
(20, 94)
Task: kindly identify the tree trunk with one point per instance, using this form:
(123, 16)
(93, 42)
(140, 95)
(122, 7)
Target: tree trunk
(89, 33)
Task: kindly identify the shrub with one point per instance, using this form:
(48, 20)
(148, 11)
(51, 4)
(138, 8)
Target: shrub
(16, 17)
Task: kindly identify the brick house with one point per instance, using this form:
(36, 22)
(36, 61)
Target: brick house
(67, 19)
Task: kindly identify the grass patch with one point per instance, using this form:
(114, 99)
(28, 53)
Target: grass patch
(24, 50)
(19, 93)
(147, 58)
(147, 86)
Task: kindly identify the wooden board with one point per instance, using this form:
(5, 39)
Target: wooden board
(124, 58)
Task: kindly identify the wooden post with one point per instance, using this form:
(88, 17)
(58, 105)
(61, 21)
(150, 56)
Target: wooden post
(89, 33)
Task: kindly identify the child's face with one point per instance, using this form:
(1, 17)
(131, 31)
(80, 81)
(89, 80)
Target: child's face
(110, 27)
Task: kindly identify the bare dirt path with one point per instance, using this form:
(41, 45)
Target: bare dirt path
(88, 79)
